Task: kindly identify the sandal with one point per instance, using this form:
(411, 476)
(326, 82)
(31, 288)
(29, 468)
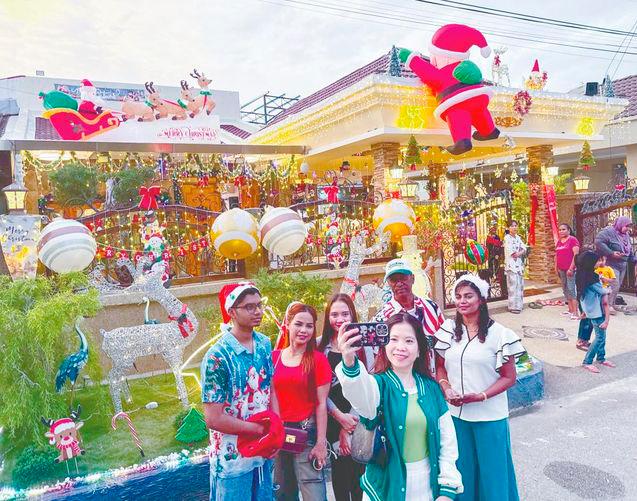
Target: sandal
(582, 346)
(535, 306)
(608, 363)
(591, 368)
(574, 317)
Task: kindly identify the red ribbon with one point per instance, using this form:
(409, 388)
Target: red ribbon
(332, 193)
(183, 321)
(357, 287)
(149, 197)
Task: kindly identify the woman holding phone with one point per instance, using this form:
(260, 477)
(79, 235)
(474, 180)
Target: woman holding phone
(302, 377)
(421, 449)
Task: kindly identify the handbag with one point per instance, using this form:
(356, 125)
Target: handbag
(295, 439)
(370, 445)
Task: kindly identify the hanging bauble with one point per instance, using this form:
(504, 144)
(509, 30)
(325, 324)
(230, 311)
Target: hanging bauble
(234, 234)
(66, 245)
(282, 231)
(476, 253)
(394, 216)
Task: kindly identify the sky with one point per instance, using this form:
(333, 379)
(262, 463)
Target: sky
(292, 46)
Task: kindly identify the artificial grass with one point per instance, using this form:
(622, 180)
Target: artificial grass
(107, 448)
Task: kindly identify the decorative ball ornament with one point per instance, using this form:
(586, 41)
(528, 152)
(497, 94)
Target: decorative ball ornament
(282, 231)
(66, 245)
(234, 234)
(476, 253)
(394, 216)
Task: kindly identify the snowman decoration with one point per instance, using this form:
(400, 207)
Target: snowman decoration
(90, 105)
(155, 245)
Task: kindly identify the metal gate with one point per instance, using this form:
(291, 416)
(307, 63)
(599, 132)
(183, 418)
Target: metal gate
(473, 220)
(595, 214)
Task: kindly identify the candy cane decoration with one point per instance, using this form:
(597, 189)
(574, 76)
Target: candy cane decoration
(132, 429)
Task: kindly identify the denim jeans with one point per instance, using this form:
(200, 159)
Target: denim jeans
(598, 346)
(254, 485)
(585, 330)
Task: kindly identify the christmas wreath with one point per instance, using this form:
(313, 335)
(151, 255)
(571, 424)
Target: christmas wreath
(522, 103)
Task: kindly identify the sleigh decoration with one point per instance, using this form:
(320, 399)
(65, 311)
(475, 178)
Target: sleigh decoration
(72, 126)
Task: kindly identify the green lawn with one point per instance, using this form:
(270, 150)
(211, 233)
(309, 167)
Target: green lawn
(107, 448)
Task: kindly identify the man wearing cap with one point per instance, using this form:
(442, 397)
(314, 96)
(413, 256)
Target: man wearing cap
(236, 376)
(400, 278)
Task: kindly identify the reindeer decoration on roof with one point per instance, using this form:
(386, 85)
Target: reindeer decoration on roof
(204, 99)
(187, 100)
(124, 345)
(164, 107)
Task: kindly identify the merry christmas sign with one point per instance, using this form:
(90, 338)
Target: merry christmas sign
(19, 236)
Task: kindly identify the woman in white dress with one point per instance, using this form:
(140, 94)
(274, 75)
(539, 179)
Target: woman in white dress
(514, 252)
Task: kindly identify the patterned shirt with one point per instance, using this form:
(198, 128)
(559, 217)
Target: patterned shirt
(233, 376)
(425, 310)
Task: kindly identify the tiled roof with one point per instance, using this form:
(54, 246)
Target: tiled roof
(232, 129)
(44, 130)
(4, 120)
(377, 66)
(627, 87)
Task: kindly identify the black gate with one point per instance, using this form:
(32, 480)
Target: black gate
(473, 220)
(595, 214)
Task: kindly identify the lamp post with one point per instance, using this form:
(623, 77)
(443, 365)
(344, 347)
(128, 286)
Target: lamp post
(581, 182)
(15, 194)
(408, 190)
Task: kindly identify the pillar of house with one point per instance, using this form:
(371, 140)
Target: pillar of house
(541, 262)
(438, 181)
(385, 155)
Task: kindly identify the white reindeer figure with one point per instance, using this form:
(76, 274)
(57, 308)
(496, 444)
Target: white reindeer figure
(169, 339)
(364, 296)
(498, 68)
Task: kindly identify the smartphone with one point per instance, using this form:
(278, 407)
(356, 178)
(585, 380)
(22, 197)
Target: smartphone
(373, 333)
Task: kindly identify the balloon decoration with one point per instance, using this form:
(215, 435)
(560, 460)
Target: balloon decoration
(235, 234)
(66, 245)
(282, 231)
(394, 216)
(476, 253)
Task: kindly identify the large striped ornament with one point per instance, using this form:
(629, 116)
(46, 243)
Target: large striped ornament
(282, 231)
(234, 234)
(66, 245)
(476, 253)
(394, 216)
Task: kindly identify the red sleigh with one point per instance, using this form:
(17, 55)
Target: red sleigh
(72, 126)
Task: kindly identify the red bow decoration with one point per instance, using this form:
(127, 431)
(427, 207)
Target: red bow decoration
(183, 321)
(332, 193)
(357, 288)
(149, 197)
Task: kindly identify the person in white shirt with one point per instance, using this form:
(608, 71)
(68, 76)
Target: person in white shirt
(475, 359)
(514, 252)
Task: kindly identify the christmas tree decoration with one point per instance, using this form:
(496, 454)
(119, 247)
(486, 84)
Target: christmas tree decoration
(394, 69)
(66, 245)
(476, 253)
(131, 428)
(64, 435)
(72, 365)
(412, 155)
(537, 80)
(394, 216)
(235, 234)
(607, 87)
(586, 158)
(193, 427)
(282, 231)
(449, 70)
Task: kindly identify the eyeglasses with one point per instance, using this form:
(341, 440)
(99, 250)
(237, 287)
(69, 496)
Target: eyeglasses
(252, 307)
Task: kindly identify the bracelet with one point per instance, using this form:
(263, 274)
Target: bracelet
(484, 395)
(445, 380)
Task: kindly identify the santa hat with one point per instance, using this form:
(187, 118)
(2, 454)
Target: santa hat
(455, 41)
(267, 445)
(86, 83)
(536, 67)
(229, 294)
(61, 425)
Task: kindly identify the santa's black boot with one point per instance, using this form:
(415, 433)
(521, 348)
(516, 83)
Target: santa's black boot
(495, 134)
(460, 147)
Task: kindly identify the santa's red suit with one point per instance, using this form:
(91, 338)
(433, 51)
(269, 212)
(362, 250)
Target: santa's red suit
(87, 108)
(460, 105)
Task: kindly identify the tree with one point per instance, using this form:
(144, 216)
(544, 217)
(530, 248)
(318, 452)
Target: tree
(412, 157)
(193, 427)
(394, 63)
(75, 184)
(586, 159)
(129, 181)
(521, 206)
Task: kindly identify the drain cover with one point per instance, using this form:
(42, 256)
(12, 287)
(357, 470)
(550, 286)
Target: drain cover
(545, 333)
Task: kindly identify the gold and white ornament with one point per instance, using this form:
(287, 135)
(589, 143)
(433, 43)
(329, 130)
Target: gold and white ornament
(394, 216)
(235, 234)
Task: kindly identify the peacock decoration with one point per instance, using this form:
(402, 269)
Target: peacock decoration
(72, 365)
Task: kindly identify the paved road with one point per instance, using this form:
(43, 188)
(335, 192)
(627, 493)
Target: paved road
(580, 442)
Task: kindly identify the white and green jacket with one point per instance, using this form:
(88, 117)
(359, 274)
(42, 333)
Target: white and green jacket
(367, 393)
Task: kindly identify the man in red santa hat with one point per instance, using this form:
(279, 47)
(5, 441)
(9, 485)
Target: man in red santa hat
(90, 105)
(457, 84)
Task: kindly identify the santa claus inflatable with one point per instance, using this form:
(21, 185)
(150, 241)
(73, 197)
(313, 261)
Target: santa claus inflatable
(90, 105)
(457, 84)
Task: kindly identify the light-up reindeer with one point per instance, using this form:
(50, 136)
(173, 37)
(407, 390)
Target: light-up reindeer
(368, 295)
(163, 107)
(498, 68)
(144, 111)
(187, 100)
(124, 345)
(204, 99)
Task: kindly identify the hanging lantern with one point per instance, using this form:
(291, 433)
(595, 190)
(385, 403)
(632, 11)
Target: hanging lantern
(282, 231)
(394, 216)
(581, 182)
(66, 245)
(234, 234)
